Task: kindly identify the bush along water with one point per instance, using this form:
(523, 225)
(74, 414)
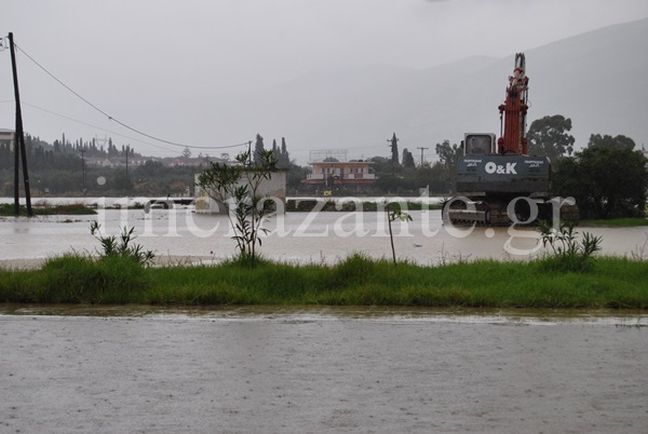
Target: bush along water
(114, 277)
(568, 252)
(121, 246)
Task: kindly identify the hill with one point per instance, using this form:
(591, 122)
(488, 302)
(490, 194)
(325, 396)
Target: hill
(599, 79)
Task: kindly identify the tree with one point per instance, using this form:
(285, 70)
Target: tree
(393, 144)
(619, 143)
(395, 212)
(296, 174)
(408, 159)
(247, 210)
(549, 136)
(608, 178)
(449, 156)
(259, 149)
(284, 157)
(432, 176)
(186, 152)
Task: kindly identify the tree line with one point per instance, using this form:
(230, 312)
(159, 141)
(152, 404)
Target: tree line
(608, 176)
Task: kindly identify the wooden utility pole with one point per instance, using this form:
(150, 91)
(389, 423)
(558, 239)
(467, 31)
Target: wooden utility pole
(19, 141)
(422, 152)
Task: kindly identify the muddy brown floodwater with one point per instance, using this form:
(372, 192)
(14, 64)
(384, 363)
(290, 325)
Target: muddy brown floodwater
(321, 371)
(181, 235)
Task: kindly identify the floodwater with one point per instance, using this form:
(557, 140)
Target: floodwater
(140, 369)
(294, 237)
(78, 369)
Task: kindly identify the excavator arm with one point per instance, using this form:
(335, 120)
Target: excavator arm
(514, 110)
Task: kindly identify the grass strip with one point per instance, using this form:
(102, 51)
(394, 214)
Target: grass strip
(614, 223)
(611, 283)
(7, 210)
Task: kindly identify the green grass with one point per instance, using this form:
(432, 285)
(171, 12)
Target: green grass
(7, 210)
(611, 283)
(615, 223)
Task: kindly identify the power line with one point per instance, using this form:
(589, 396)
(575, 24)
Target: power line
(112, 118)
(87, 124)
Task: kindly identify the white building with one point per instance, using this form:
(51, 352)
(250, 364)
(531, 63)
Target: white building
(273, 188)
(6, 137)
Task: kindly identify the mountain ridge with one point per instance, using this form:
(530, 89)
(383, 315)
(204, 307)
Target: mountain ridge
(598, 78)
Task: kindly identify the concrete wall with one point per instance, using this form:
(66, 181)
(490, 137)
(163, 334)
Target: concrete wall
(274, 187)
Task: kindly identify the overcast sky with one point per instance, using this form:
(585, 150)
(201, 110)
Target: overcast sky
(137, 58)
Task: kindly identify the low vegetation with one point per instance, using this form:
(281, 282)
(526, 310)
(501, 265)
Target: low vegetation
(122, 246)
(568, 251)
(7, 210)
(569, 276)
(615, 223)
(609, 283)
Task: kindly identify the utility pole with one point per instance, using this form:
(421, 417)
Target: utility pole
(422, 152)
(19, 141)
(127, 176)
(83, 171)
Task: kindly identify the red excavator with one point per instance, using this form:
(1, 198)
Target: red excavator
(499, 183)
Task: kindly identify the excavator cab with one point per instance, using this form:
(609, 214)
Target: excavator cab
(479, 144)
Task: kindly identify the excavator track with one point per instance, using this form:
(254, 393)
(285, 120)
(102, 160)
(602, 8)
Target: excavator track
(494, 213)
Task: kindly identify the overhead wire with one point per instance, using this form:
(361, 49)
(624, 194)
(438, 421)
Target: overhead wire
(112, 118)
(87, 124)
(123, 124)
(97, 127)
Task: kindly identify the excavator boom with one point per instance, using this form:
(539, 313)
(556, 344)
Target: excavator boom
(514, 110)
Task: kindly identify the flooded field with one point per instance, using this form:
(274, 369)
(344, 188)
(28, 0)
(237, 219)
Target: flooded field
(76, 369)
(299, 237)
(143, 369)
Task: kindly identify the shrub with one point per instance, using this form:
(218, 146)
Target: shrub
(122, 246)
(74, 278)
(568, 252)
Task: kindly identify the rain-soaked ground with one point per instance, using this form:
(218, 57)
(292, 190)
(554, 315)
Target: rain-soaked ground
(115, 369)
